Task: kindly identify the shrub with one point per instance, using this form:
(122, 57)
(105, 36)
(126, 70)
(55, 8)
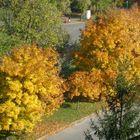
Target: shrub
(105, 44)
(30, 87)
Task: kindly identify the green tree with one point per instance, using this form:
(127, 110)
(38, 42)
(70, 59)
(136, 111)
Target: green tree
(118, 3)
(32, 21)
(120, 120)
(64, 6)
(80, 5)
(99, 6)
(84, 5)
(7, 43)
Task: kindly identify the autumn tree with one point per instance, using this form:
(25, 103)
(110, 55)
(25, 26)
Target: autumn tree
(30, 87)
(31, 20)
(105, 44)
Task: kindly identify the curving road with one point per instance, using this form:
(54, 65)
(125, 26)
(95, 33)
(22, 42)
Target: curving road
(75, 132)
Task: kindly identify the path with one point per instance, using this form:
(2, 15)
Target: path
(75, 132)
(73, 29)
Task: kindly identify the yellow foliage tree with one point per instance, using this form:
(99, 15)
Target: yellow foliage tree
(112, 40)
(30, 86)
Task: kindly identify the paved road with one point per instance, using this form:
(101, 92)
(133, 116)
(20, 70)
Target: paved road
(73, 29)
(75, 132)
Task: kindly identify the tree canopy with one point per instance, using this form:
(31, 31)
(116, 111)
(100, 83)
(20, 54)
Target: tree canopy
(32, 21)
(105, 43)
(30, 87)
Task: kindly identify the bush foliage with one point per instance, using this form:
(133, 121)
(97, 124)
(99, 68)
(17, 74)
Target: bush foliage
(30, 87)
(106, 43)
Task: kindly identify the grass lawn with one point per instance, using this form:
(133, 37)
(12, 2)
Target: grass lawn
(68, 113)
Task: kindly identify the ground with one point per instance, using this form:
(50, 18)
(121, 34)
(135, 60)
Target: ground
(73, 29)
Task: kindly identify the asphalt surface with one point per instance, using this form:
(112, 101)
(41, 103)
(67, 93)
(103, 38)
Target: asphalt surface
(73, 29)
(75, 132)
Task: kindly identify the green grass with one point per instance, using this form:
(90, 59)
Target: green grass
(70, 112)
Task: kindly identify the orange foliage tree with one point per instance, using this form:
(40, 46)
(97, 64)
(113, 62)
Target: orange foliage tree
(106, 44)
(30, 87)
